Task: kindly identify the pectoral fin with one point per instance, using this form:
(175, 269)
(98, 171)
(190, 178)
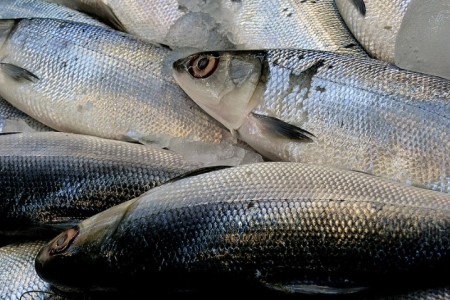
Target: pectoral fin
(278, 127)
(18, 73)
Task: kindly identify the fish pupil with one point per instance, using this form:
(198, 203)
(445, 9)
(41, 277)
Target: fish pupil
(202, 63)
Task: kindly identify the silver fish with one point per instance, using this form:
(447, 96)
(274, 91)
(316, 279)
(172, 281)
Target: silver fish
(228, 24)
(375, 24)
(52, 179)
(13, 120)
(18, 278)
(85, 79)
(17, 9)
(329, 109)
(293, 227)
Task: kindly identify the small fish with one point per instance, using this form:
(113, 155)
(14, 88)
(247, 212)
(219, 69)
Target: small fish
(229, 24)
(51, 180)
(18, 9)
(292, 227)
(13, 120)
(80, 78)
(329, 109)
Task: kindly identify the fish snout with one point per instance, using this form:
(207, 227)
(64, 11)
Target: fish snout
(47, 262)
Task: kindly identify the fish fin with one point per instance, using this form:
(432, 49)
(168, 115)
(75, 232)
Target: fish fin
(283, 129)
(360, 6)
(312, 289)
(18, 73)
(197, 172)
(9, 133)
(108, 14)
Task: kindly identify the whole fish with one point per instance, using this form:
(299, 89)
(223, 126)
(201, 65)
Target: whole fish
(13, 120)
(375, 24)
(18, 278)
(17, 9)
(289, 226)
(85, 79)
(228, 24)
(52, 179)
(329, 109)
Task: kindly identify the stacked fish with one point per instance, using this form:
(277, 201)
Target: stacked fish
(248, 146)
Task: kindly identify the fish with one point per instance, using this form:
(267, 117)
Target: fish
(375, 24)
(13, 120)
(52, 180)
(330, 109)
(18, 9)
(430, 293)
(288, 227)
(79, 78)
(18, 277)
(229, 24)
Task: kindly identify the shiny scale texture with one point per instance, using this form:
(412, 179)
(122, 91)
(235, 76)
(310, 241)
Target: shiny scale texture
(13, 120)
(18, 277)
(365, 115)
(53, 178)
(377, 29)
(267, 222)
(16, 9)
(100, 82)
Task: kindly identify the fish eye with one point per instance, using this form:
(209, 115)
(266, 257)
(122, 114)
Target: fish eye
(202, 66)
(63, 241)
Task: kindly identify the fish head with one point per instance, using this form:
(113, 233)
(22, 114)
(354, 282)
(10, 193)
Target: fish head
(75, 260)
(221, 83)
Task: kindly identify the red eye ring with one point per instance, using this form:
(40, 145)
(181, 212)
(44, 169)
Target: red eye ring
(203, 65)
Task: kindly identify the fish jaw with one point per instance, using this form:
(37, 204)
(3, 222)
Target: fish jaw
(227, 93)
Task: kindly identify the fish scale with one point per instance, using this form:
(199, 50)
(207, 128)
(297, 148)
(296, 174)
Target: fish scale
(58, 178)
(358, 114)
(100, 82)
(275, 223)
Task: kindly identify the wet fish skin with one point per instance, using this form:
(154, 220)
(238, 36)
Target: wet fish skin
(13, 120)
(432, 293)
(18, 277)
(272, 223)
(17, 9)
(54, 179)
(375, 24)
(257, 24)
(85, 79)
(330, 109)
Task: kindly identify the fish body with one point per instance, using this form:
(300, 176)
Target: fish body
(328, 109)
(290, 226)
(54, 179)
(18, 277)
(228, 24)
(375, 24)
(85, 79)
(17, 9)
(13, 120)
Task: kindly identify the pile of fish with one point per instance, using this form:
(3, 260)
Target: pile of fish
(283, 148)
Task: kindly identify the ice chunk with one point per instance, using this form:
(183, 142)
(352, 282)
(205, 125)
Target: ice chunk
(423, 42)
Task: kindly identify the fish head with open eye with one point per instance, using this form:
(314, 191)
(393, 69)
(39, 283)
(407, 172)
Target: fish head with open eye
(221, 83)
(79, 251)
